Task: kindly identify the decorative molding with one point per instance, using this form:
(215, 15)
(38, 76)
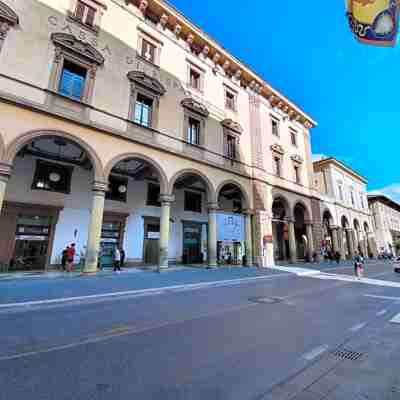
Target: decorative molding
(190, 39)
(75, 45)
(216, 58)
(7, 15)
(178, 30)
(232, 126)
(143, 6)
(142, 79)
(164, 20)
(205, 51)
(277, 148)
(297, 159)
(5, 169)
(195, 106)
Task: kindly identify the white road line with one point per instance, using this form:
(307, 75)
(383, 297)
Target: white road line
(358, 327)
(396, 319)
(382, 312)
(316, 352)
(382, 297)
(158, 290)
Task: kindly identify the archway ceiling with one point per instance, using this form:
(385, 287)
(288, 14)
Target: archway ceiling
(139, 170)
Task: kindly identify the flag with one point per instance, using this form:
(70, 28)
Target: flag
(374, 22)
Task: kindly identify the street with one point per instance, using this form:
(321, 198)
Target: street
(268, 338)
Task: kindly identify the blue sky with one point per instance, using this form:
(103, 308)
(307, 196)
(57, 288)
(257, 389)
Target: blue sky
(306, 51)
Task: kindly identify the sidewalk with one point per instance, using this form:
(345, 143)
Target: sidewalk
(60, 285)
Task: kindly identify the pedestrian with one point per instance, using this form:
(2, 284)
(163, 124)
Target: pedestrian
(359, 266)
(64, 258)
(122, 251)
(70, 257)
(117, 260)
(337, 257)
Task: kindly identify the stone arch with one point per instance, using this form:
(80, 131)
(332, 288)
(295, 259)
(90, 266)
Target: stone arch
(246, 197)
(366, 227)
(327, 216)
(16, 145)
(356, 224)
(211, 193)
(161, 174)
(280, 197)
(344, 222)
(307, 213)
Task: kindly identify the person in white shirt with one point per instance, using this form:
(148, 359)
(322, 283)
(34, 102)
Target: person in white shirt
(117, 260)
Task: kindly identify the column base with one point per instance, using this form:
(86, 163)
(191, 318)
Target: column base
(162, 268)
(89, 273)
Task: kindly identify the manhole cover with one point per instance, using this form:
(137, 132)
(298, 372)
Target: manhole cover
(265, 300)
(347, 354)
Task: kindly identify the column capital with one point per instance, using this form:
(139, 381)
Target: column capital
(5, 170)
(335, 227)
(290, 220)
(212, 207)
(100, 187)
(308, 222)
(167, 199)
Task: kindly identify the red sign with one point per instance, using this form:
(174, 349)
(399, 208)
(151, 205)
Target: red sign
(267, 239)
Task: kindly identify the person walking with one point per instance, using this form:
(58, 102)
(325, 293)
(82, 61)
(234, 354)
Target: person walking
(64, 258)
(359, 266)
(122, 251)
(117, 260)
(337, 257)
(70, 257)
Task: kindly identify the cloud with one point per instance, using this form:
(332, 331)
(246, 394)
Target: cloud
(392, 191)
(318, 157)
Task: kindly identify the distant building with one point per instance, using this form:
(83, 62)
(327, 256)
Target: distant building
(386, 218)
(346, 221)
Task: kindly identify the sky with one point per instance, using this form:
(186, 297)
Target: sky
(306, 50)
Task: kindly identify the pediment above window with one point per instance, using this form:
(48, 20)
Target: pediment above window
(146, 81)
(297, 159)
(195, 106)
(8, 15)
(75, 45)
(277, 148)
(232, 126)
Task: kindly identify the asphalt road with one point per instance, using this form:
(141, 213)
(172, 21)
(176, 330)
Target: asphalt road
(232, 342)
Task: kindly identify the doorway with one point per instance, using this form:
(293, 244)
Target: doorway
(192, 253)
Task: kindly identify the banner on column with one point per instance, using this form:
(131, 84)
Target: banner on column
(374, 22)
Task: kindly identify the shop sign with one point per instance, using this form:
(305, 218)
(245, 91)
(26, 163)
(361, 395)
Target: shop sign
(230, 227)
(153, 235)
(374, 21)
(35, 238)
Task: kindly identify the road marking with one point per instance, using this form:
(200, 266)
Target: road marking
(358, 327)
(374, 296)
(396, 319)
(382, 312)
(123, 331)
(316, 352)
(141, 292)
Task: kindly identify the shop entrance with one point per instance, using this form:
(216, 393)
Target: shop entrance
(151, 240)
(192, 253)
(31, 243)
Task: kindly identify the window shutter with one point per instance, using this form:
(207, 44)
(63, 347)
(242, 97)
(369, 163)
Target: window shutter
(90, 16)
(80, 10)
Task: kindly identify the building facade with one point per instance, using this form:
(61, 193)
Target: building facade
(346, 221)
(123, 124)
(386, 219)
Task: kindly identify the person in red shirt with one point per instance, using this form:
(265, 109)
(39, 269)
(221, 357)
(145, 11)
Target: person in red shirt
(70, 257)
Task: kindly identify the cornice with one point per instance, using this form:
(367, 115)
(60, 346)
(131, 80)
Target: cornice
(170, 18)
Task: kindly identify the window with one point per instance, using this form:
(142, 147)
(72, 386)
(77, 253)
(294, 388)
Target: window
(193, 202)
(148, 51)
(352, 197)
(143, 110)
(297, 174)
(230, 146)
(362, 200)
(52, 177)
(72, 82)
(275, 126)
(277, 164)
(85, 13)
(193, 134)
(340, 192)
(293, 137)
(230, 100)
(117, 189)
(194, 79)
(153, 195)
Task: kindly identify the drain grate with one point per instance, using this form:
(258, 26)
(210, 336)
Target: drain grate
(345, 354)
(265, 300)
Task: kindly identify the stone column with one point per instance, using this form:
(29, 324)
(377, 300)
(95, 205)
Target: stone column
(292, 242)
(95, 225)
(248, 239)
(310, 239)
(350, 241)
(5, 172)
(166, 201)
(212, 235)
(342, 234)
(335, 240)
